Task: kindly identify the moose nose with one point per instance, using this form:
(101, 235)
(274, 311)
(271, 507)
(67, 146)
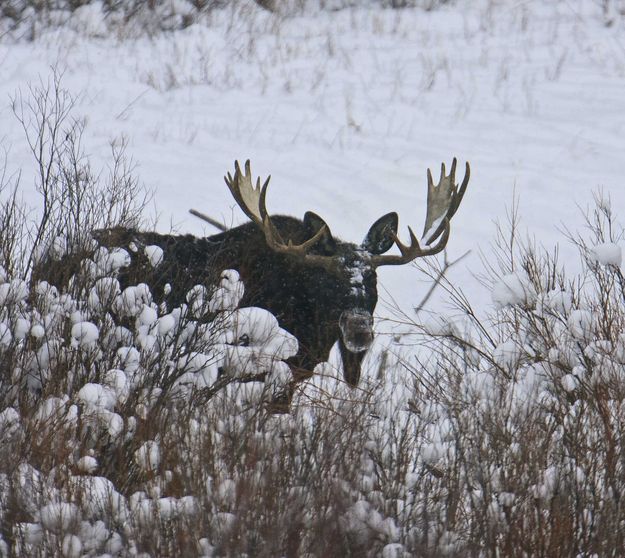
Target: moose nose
(357, 329)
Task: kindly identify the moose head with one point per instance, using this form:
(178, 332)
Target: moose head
(325, 289)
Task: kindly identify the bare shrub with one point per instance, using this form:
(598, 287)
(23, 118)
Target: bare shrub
(74, 200)
(526, 439)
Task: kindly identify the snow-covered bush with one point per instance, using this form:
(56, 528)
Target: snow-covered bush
(527, 406)
(129, 428)
(152, 435)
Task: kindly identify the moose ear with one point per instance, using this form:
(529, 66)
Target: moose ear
(313, 224)
(381, 235)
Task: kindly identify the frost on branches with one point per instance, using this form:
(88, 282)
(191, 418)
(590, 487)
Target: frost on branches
(532, 402)
(129, 428)
(123, 422)
(92, 369)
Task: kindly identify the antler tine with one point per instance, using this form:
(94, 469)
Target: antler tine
(444, 199)
(452, 172)
(414, 250)
(249, 198)
(459, 194)
(414, 243)
(263, 196)
(276, 243)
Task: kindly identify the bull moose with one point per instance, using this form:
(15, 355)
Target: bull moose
(321, 289)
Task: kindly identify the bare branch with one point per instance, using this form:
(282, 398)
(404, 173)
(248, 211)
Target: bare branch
(208, 219)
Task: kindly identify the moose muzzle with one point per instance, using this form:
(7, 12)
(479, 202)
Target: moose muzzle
(356, 329)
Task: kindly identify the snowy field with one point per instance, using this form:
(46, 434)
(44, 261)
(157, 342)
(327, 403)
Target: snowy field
(132, 429)
(346, 110)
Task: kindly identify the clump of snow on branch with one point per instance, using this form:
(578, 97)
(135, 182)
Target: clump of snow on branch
(513, 289)
(154, 254)
(607, 253)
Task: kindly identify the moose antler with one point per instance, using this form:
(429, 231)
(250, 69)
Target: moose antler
(252, 201)
(442, 203)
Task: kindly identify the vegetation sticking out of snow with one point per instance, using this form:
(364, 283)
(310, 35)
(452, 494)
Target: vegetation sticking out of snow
(99, 18)
(125, 428)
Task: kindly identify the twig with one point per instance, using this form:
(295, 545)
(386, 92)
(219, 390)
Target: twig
(446, 266)
(208, 219)
(124, 113)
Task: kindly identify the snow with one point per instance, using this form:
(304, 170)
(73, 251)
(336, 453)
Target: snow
(512, 289)
(129, 359)
(147, 316)
(507, 354)
(165, 324)
(254, 341)
(117, 380)
(148, 456)
(32, 532)
(439, 325)
(196, 297)
(557, 301)
(607, 253)
(431, 453)
(5, 335)
(84, 334)
(87, 464)
(569, 382)
(393, 550)
(13, 292)
(21, 328)
(100, 496)
(580, 324)
(90, 20)
(59, 516)
(113, 422)
(228, 293)
(111, 260)
(9, 422)
(104, 291)
(51, 408)
(71, 547)
(346, 110)
(97, 395)
(154, 254)
(133, 299)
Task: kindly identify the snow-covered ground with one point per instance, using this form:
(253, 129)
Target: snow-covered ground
(346, 110)
(124, 428)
